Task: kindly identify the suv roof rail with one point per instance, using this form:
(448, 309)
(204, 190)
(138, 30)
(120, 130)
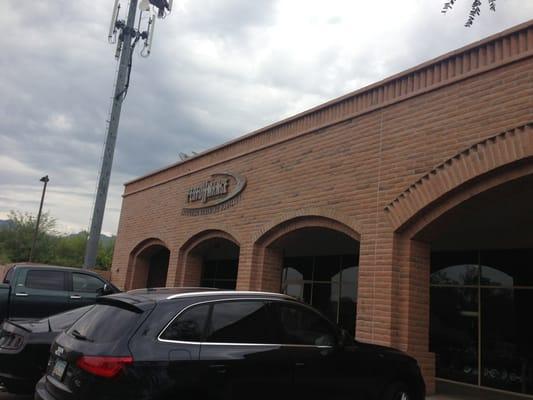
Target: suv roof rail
(171, 289)
(226, 292)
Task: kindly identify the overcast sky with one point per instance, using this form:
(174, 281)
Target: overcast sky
(219, 69)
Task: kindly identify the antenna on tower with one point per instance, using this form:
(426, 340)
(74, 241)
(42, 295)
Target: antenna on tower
(148, 37)
(112, 37)
(125, 34)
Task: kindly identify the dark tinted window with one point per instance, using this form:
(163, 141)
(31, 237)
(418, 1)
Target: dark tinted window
(328, 283)
(298, 268)
(240, 322)
(454, 332)
(220, 274)
(86, 283)
(45, 280)
(506, 345)
(507, 267)
(326, 268)
(301, 326)
(105, 323)
(189, 326)
(60, 322)
(455, 268)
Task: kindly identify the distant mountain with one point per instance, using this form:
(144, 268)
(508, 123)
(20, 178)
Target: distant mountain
(104, 239)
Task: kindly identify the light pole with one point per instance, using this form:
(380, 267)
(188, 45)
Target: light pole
(45, 180)
(126, 36)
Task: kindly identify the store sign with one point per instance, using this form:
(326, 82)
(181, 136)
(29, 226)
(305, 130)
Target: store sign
(217, 193)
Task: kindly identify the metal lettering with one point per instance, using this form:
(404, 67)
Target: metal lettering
(208, 190)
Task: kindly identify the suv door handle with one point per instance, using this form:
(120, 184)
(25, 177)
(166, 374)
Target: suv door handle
(75, 296)
(22, 294)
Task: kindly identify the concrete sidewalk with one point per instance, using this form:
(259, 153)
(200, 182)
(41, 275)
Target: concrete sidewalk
(450, 391)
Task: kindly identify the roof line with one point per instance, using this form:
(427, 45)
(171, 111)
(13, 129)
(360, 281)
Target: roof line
(396, 87)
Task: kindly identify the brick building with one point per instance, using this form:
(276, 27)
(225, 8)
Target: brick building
(401, 210)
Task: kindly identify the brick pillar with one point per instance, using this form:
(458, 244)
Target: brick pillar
(139, 273)
(375, 290)
(272, 266)
(412, 304)
(247, 267)
(267, 264)
(123, 280)
(191, 270)
(172, 274)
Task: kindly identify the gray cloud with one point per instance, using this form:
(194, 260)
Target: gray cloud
(219, 69)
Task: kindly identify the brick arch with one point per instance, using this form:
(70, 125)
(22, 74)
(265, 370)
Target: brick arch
(206, 234)
(189, 266)
(266, 259)
(137, 265)
(465, 168)
(487, 164)
(308, 217)
(200, 234)
(146, 243)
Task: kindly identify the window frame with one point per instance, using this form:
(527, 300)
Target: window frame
(275, 320)
(181, 313)
(313, 282)
(212, 309)
(84, 274)
(335, 330)
(8, 275)
(64, 283)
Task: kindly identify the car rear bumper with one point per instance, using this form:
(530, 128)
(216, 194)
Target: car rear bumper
(8, 378)
(40, 391)
(19, 369)
(17, 384)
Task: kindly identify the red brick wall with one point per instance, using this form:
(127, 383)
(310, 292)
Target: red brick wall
(104, 274)
(348, 159)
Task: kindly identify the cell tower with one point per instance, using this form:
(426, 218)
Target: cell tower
(125, 34)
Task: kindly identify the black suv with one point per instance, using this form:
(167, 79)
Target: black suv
(208, 344)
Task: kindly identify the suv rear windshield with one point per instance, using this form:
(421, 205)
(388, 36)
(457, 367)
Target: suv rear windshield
(104, 324)
(60, 322)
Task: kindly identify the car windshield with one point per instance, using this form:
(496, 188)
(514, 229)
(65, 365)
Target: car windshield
(104, 323)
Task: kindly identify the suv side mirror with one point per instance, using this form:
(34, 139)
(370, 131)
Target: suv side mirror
(105, 290)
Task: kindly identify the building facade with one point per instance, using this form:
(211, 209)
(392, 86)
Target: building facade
(403, 211)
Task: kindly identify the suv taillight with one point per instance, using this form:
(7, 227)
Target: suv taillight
(107, 367)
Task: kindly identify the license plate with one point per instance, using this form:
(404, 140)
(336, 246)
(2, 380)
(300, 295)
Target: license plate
(59, 369)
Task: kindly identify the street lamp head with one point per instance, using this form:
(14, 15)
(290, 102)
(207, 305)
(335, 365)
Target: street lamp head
(44, 179)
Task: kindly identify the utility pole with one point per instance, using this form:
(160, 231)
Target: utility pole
(128, 37)
(44, 179)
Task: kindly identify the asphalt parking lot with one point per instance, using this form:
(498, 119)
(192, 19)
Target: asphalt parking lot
(448, 392)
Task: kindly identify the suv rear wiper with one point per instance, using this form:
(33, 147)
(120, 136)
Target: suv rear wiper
(79, 336)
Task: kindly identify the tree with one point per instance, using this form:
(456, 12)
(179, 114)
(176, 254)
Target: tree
(69, 250)
(51, 248)
(474, 11)
(105, 253)
(16, 238)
